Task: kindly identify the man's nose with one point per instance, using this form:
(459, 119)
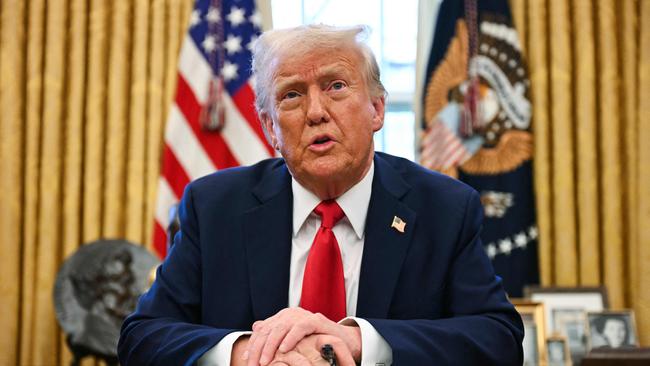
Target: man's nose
(317, 107)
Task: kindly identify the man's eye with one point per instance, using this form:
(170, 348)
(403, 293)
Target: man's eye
(337, 85)
(290, 95)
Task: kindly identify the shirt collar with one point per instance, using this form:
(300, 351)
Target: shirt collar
(354, 203)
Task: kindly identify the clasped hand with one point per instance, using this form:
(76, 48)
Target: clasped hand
(294, 336)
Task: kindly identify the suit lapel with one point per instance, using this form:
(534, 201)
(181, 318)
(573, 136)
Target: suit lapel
(268, 243)
(385, 247)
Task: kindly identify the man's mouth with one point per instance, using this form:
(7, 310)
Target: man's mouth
(322, 140)
(321, 143)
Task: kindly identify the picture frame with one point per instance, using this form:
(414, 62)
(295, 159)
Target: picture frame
(566, 312)
(557, 351)
(571, 323)
(534, 343)
(612, 329)
(593, 299)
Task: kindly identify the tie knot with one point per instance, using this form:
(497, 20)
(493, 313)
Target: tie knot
(330, 213)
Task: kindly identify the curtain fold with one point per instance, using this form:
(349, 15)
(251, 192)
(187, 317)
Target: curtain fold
(137, 129)
(116, 130)
(156, 108)
(95, 118)
(640, 212)
(585, 116)
(537, 56)
(12, 80)
(31, 161)
(611, 154)
(590, 69)
(562, 144)
(45, 337)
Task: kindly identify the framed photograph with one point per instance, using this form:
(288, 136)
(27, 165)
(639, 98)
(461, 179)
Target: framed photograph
(534, 344)
(557, 351)
(571, 323)
(571, 298)
(612, 329)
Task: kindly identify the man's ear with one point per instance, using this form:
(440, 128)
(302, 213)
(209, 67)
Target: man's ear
(267, 123)
(379, 105)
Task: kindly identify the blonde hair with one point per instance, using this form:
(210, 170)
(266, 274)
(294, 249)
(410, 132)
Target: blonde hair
(302, 40)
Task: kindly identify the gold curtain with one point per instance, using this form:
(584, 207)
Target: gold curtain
(590, 74)
(85, 86)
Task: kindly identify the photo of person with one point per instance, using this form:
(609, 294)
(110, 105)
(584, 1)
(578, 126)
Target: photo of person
(531, 351)
(612, 329)
(556, 349)
(572, 324)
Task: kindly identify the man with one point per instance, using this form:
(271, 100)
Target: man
(289, 246)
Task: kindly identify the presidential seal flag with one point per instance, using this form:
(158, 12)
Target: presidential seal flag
(477, 127)
(212, 123)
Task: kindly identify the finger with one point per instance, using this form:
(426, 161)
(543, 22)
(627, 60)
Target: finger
(257, 325)
(293, 325)
(255, 347)
(314, 323)
(273, 340)
(259, 329)
(296, 334)
(251, 341)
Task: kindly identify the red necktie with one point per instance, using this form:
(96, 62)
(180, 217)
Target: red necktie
(323, 286)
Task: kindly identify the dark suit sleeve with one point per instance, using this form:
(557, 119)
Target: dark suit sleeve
(480, 328)
(165, 329)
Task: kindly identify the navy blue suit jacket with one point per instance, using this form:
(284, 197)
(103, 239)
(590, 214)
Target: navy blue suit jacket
(430, 291)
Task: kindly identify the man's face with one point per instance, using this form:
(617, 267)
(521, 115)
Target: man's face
(322, 116)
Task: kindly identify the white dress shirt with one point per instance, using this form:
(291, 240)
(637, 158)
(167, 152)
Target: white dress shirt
(350, 233)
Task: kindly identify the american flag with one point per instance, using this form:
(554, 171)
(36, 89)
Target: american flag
(212, 123)
(442, 149)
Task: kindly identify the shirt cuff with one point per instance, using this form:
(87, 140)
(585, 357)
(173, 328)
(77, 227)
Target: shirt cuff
(219, 355)
(375, 351)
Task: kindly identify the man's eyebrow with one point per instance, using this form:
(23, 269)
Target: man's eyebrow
(333, 70)
(284, 83)
(322, 73)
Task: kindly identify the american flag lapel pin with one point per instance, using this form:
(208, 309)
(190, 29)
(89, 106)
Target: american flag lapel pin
(398, 224)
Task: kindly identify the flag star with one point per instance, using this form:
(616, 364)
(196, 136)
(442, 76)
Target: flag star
(521, 240)
(209, 44)
(256, 19)
(229, 71)
(195, 18)
(491, 250)
(532, 232)
(214, 16)
(236, 16)
(232, 44)
(505, 245)
(251, 44)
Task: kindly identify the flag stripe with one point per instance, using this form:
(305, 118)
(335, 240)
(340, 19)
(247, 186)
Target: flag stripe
(244, 99)
(194, 69)
(212, 142)
(159, 239)
(246, 153)
(174, 173)
(166, 199)
(185, 145)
